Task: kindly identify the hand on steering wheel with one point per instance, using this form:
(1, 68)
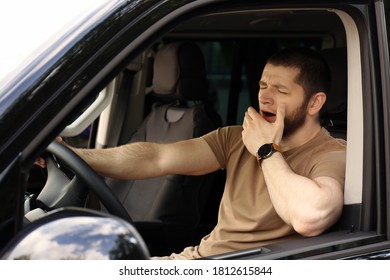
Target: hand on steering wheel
(61, 191)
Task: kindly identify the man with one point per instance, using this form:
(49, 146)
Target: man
(285, 173)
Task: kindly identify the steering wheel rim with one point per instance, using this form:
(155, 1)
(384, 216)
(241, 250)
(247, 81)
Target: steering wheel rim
(90, 178)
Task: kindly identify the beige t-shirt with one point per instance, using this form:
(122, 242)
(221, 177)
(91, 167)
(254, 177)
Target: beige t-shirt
(247, 218)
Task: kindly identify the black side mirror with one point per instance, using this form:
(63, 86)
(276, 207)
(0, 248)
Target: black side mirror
(78, 234)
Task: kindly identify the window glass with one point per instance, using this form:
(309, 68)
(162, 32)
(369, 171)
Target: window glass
(234, 68)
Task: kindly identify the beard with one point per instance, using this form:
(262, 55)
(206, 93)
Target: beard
(295, 120)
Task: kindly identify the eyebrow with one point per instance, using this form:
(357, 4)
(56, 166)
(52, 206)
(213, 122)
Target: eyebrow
(278, 85)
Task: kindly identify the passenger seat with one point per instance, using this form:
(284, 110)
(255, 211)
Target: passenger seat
(171, 211)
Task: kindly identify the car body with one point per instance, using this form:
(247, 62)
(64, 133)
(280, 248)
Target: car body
(94, 55)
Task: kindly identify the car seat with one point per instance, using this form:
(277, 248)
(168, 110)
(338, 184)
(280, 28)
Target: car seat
(174, 211)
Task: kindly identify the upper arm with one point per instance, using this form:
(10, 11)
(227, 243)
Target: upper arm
(334, 192)
(188, 157)
(328, 204)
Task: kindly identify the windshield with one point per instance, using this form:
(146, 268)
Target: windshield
(26, 26)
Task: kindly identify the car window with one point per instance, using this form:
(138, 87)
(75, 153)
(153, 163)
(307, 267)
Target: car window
(234, 68)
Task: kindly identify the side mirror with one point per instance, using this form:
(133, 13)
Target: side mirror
(77, 234)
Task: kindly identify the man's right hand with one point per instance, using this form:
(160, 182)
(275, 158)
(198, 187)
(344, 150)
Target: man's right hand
(41, 161)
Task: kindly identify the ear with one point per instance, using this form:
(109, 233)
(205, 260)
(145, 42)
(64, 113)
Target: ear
(316, 102)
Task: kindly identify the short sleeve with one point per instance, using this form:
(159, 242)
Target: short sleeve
(330, 164)
(222, 140)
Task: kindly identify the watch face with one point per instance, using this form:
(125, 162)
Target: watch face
(265, 151)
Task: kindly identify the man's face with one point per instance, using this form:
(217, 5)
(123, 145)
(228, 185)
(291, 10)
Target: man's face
(278, 86)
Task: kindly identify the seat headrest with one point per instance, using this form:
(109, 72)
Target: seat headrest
(335, 107)
(180, 72)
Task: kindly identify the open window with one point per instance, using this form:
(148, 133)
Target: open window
(235, 44)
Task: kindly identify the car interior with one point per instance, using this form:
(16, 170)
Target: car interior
(201, 72)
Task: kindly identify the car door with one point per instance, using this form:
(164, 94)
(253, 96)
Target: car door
(67, 75)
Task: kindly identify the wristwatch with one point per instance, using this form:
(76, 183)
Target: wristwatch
(266, 150)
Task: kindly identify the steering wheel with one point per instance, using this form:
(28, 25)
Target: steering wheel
(61, 191)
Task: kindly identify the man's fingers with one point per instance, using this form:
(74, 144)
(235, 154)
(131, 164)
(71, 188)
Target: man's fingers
(280, 114)
(41, 162)
(248, 117)
(60, 140)
(252, 113)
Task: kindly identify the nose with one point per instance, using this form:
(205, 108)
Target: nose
(265, 96)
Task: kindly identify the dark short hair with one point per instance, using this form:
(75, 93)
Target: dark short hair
(314, 73)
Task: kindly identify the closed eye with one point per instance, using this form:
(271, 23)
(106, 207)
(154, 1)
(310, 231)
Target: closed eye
(282, 91)
(262, 85)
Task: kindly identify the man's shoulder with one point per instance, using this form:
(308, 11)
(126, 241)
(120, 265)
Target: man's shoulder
(226, 136)
(328, 140)
(233, 128)
(322, 143)
(228, 131)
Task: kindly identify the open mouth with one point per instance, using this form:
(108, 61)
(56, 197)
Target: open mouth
(268, 116)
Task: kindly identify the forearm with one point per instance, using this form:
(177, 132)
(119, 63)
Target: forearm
(144, 160)
(309, 206)
(131, 161)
